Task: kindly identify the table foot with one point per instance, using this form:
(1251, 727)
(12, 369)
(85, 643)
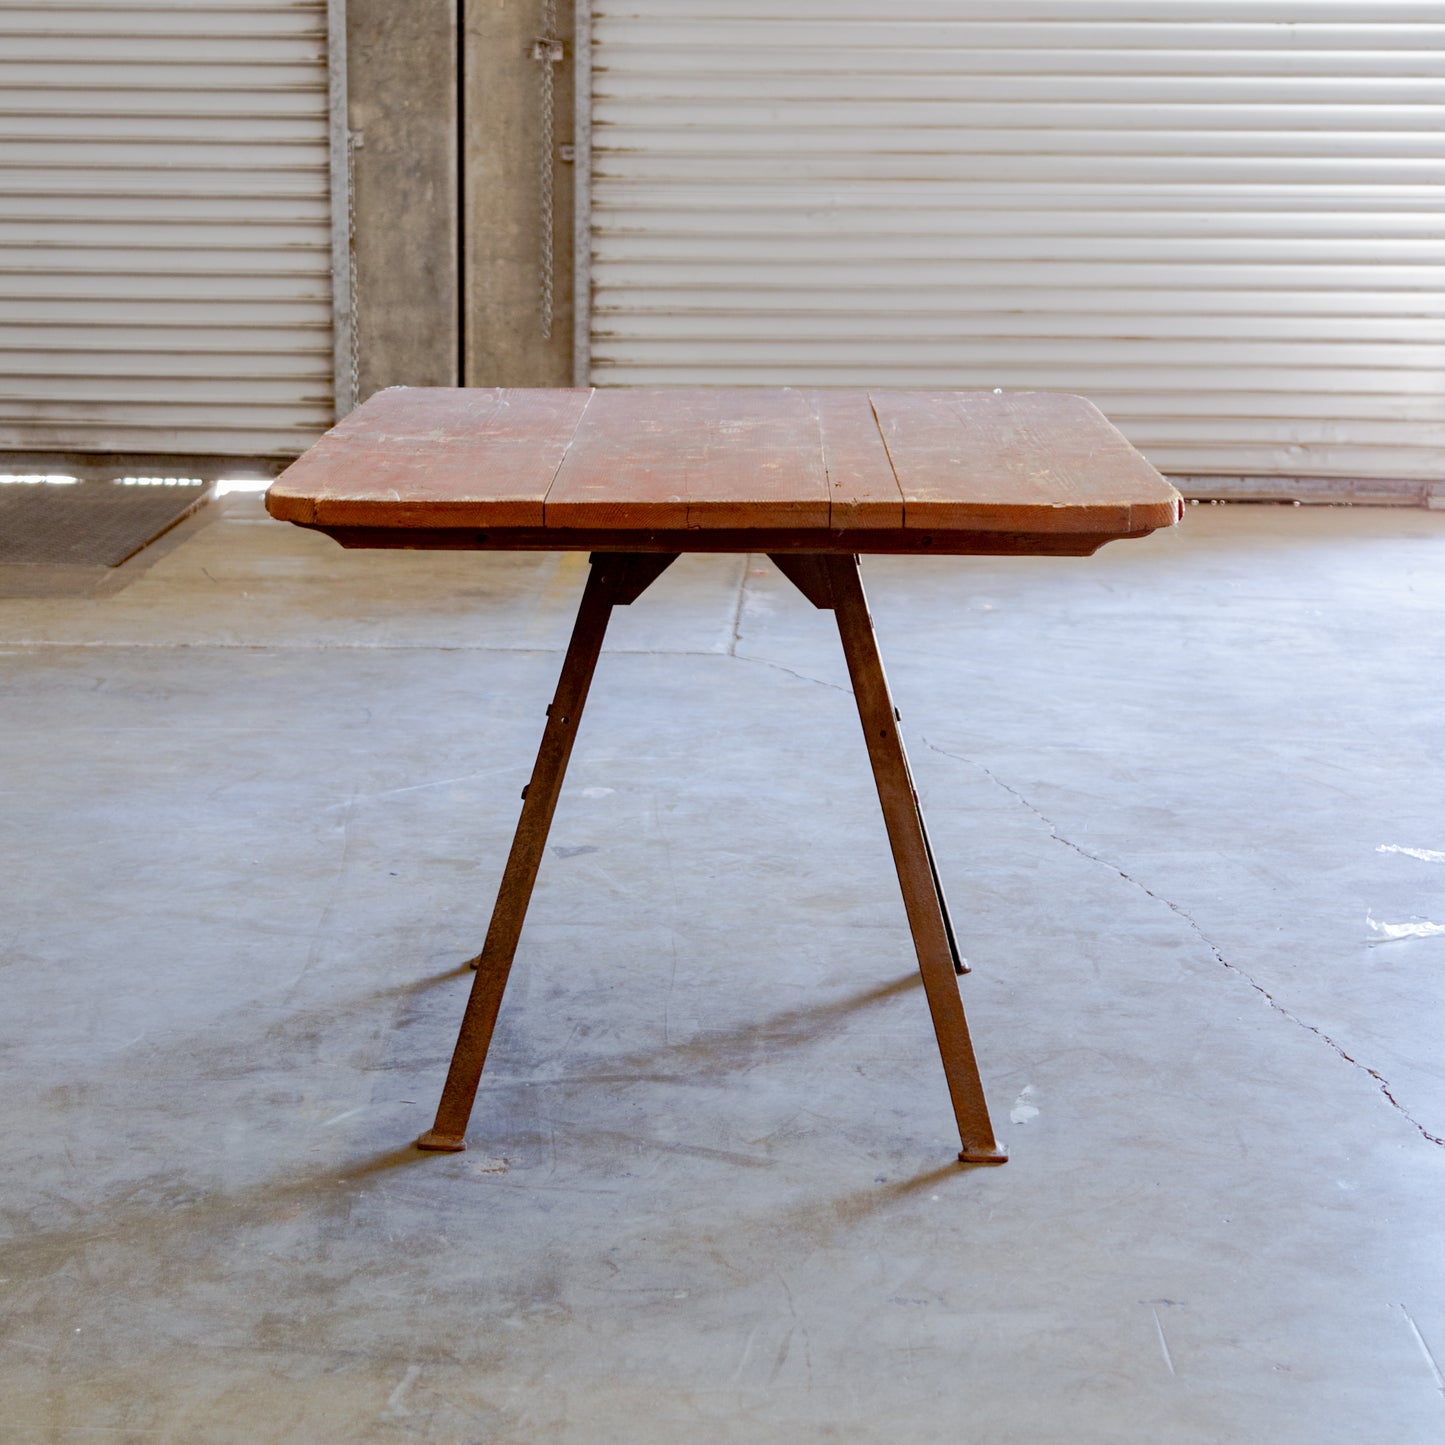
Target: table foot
(441, 1143)
(997, 1155)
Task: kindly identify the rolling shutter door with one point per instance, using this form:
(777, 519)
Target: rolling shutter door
(165, 226)
(1220, 219)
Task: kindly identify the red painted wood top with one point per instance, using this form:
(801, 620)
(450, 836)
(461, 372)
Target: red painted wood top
(692, 469)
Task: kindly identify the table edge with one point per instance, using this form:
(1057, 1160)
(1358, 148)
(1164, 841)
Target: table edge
(1124, 518)
(890, 542)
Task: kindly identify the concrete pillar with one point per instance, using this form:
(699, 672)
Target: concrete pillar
(403, 107)
(502, 220)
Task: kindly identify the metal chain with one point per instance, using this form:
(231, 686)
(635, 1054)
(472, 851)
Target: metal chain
(355, 358)
(549, 51)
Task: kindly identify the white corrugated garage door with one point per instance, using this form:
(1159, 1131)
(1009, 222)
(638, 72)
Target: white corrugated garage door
(1220, 219)
(165, 226)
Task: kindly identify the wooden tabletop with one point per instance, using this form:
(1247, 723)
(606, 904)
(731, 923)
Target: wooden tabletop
(726, 470)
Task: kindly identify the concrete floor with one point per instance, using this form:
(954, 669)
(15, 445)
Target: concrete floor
(257, 793)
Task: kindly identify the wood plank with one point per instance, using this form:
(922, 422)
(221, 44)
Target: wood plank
(434, 456)
(1022, 461)
(862, 489)
(693, 459)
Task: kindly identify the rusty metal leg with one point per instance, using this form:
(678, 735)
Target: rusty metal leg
(615, 580)
(809, 573)
(912, 858)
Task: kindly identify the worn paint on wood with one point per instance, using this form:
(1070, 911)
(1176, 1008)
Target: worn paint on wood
(862, 488)
(830, 471)
(1027, 461)
(434, 456)
(693, 459)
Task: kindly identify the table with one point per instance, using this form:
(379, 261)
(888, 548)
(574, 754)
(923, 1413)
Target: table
(812, 478)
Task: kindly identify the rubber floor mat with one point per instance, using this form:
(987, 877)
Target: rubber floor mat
(88, 524)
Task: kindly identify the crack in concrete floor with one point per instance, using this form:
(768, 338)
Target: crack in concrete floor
(1381, 1082)
(801, 676)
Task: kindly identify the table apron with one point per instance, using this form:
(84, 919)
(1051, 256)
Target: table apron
(883, 543)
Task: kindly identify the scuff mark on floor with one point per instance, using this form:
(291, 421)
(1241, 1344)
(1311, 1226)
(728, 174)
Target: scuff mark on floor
(419, 787)
(1163, 1342)
(1394, 932)
(395, 1408)
(1381, 1082)
(796, 1327)
(747, 1351)
(738, 610)
(324, 930)
(1425, 1350)
(1425, 855)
